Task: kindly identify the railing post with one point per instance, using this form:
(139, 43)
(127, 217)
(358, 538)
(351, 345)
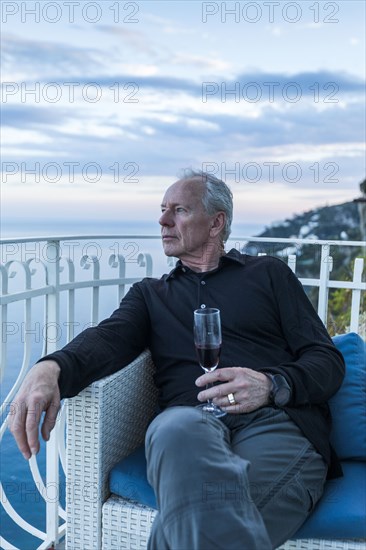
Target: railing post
(326, 264)
(356, 295)
(52, 327)
(291, 262)
(3, 322)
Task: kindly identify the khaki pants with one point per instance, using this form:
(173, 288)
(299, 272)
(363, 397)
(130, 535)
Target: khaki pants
(244, 482)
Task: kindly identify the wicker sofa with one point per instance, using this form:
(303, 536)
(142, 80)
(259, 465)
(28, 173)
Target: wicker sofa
(107, 422)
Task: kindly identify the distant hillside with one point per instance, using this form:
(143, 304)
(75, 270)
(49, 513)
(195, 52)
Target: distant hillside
(339, 222)
(345, 221)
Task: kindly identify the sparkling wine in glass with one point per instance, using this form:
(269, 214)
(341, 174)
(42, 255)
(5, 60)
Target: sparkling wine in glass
(207, 339)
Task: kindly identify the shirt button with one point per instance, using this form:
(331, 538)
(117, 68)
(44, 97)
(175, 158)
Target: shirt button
(203, 306)
(203, 282)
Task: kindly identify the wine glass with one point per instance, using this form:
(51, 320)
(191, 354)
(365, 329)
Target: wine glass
(207, 339)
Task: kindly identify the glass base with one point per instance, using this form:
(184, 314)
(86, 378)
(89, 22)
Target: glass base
(213, 409)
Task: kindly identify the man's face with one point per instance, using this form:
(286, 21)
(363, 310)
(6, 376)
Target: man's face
(185, 226)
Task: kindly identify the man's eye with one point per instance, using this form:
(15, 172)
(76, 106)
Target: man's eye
(180, 209)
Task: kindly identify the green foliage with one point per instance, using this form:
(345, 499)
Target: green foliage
(340, 299)
(339, 311)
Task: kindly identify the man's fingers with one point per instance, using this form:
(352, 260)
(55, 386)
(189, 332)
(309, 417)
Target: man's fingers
(38, 393)
(34, 412)
(24, 420)
(225, 374)
(49, 420)
(249, 388)
(17, 427)
(219, 393)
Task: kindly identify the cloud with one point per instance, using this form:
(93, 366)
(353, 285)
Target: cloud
(213, 63)
(170, 124)
(354, 41)
(307, 125)
(168, 26)
(250, 87)
(20, 116)
(47, 61)
(307, 83)
(134, 39)
(37, 58)
(295, 135)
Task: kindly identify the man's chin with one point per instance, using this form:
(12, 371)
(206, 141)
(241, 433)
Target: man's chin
(168, 250)
(171, 247)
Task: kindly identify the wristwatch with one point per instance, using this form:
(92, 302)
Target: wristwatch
(280, 393)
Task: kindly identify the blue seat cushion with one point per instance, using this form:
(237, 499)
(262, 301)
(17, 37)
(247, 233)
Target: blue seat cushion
(128, 479)
(348, 405)
(341, 511)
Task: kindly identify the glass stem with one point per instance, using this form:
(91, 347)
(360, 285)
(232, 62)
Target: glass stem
(209, 401)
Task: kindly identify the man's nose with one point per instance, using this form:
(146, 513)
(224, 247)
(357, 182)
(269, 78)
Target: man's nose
(166, 219)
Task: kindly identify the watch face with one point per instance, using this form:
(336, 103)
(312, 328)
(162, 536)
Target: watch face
(281, 390)
(282, 396)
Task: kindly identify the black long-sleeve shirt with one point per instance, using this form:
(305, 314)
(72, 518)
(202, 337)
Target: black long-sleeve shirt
(268, 324)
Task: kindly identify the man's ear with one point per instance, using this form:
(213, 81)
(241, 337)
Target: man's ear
(217, 224)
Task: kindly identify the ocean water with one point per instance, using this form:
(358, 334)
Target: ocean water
(20, 490)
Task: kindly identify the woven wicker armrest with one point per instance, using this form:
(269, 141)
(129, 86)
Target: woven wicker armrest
(105, 423)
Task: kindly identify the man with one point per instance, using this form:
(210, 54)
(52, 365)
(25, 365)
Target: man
(249, 479)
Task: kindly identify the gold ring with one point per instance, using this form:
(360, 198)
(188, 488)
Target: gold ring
(231, 399)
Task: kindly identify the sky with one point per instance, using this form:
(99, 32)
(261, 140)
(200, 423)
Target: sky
(104, 103)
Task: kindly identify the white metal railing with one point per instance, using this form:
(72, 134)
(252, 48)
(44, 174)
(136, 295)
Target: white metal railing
(57, 269)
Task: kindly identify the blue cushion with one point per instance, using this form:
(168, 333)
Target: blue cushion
(348, 405)
(128, 479)
(341, 511)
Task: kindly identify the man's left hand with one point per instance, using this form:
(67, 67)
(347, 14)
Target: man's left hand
(249, 388)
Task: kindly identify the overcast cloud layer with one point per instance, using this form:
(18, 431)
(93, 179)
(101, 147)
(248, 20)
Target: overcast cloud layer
(116, 107)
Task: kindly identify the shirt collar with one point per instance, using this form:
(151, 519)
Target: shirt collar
(233, 256)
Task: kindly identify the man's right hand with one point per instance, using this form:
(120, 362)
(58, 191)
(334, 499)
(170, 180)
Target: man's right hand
(38, 393)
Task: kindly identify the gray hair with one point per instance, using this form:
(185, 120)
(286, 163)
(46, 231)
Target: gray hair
(217, 197)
